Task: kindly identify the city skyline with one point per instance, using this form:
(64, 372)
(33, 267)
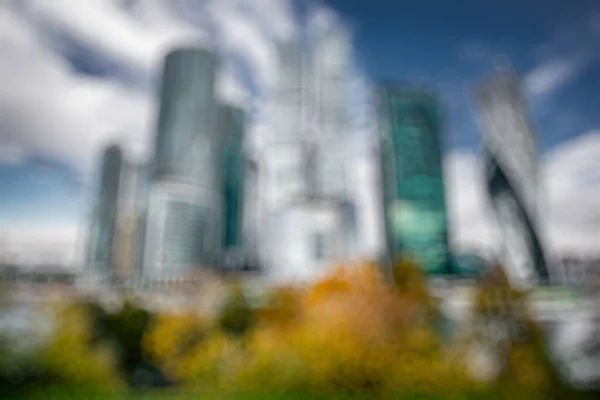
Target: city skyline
(42, 175)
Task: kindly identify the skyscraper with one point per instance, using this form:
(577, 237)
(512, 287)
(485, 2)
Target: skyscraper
(183, 225)
(412, 179)
(185, 137)
(128, 220)
(304, 159)
(235, 166)
(330, 71)
(101, 252)
(284, 162)
(512, 179)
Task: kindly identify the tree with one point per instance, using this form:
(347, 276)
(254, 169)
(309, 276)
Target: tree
(236, 316)
(68, 357)
(504, 327)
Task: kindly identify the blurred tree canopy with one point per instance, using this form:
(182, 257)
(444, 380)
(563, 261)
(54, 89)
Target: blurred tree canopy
(505, 328)
(236, 316)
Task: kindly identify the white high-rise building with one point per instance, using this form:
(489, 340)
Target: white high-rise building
(330, 66)
(303, 164)
(284, 159)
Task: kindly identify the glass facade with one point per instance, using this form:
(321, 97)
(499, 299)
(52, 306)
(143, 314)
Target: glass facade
(412, 177)
(332, 55)
(185, 145)
(101, 249)
(183, 242)
(289, 94)
(182, 222)
(511, 172)
(235, 165)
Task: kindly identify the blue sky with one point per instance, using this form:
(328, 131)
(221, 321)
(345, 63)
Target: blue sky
(79, 75)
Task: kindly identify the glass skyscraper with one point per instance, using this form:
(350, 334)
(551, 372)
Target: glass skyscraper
(183, 222)
(235, 166)
(101, 253)
(512, 179)
(185, 145)
(412, 177)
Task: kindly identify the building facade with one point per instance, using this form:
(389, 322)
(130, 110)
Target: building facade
(102, 250)
(414, 206)
(330, 71)
(184, 208)
(512, 179)
(128, 220)
(304, 240)
(234, 181)
(305, 198)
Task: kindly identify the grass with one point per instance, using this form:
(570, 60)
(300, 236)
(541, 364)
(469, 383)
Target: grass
(70, 393)
(58, 392)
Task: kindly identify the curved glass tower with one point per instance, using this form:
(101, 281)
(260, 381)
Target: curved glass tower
(184, 207)
(185, 145)
(512, 179)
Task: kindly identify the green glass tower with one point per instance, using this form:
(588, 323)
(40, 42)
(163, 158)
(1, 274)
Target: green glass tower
(235, 163)
(414, 207)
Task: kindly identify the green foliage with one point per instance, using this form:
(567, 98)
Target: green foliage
(236, 316)
(68, 358)
(126, 329)
(123, 330)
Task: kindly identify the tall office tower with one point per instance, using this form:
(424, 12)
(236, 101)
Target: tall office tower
(128, 220)
(284, 161)
(183, 222)
(511, 170)
(101, 254)
(303, 229)
(233, 182)
(412, 177)
(330, 72)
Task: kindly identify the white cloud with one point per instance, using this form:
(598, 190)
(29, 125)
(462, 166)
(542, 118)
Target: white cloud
(139, 39)
(555, 73)
(572, 180)
(239, 35)
(36, 245)
(12, 154)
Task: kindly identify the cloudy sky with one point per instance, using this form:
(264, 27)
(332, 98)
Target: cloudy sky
(75, 75)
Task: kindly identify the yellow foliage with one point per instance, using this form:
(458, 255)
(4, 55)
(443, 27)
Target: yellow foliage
(171, 339)
(352, 330)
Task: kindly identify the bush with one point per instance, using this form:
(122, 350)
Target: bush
(236, 316)
(68, 357)
(351, 332)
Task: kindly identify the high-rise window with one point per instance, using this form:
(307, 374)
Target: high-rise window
(319, 246)
(184, 234)
(412, 177)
